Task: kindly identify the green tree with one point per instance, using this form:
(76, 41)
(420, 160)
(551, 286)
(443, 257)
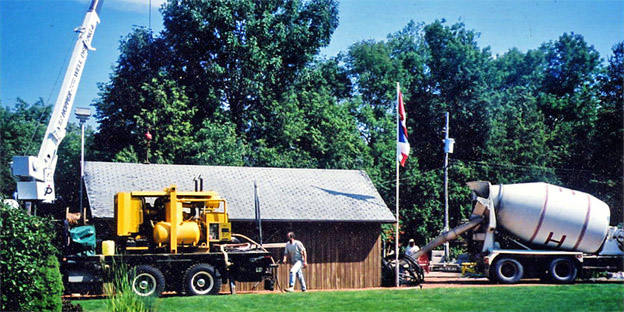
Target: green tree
(217, 144)
(570, 64)
(372, 69)
(517, 69)
(607, 148)
(440, 68)
(458, 80)
(569, 100)
(226, 63)
(125, 97)
(241, 55)
(238, 83)
(312, 128)
(167, 115)
(517, 145)
(375, 68)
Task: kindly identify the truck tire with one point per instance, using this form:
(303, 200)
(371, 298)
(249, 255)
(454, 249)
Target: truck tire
(147, 281)
(201, 279)
(508, 270)
(562, 270)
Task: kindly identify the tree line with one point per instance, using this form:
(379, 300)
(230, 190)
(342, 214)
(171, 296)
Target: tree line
(242, 83)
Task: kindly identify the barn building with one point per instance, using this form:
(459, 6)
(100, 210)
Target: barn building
(337, 214)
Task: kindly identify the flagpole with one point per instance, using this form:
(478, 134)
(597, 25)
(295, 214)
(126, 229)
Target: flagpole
(396, 236)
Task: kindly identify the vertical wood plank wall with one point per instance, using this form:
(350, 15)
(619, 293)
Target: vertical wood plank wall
(340, 255)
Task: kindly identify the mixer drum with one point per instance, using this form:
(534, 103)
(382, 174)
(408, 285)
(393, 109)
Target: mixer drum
(550, 215)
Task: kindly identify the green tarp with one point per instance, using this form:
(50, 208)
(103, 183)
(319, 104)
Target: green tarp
(83, 240)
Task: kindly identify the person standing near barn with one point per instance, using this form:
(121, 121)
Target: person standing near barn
(411, 248)
(295, 253)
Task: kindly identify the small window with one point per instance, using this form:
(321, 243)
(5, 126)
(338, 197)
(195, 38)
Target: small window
(213, 231)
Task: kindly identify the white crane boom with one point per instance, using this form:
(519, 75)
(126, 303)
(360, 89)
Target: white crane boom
(35, 175)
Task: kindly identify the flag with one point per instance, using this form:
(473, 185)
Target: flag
(403, 147)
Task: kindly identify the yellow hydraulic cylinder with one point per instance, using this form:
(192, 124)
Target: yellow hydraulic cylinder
(174, 208)
(188, 233)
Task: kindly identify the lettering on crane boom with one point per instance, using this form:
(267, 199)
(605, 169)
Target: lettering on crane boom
(68, 98)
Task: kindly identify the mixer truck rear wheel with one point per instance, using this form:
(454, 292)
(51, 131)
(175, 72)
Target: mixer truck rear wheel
(147, 281)
(508, 270)
(562, 270)
(202, 279)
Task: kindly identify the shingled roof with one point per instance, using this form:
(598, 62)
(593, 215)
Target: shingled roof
(285, 194)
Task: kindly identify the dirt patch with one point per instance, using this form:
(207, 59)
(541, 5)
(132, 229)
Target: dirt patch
(454, 280)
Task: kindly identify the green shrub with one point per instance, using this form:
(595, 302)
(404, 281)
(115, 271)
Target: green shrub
(30, 279)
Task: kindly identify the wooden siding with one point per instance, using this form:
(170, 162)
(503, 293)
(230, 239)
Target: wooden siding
(340, 255)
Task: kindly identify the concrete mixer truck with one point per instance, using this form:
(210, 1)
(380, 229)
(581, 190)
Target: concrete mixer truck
(559, 233)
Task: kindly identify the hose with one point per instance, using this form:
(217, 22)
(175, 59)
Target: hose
(263, 249)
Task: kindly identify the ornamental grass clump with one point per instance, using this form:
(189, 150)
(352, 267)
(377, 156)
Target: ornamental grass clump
(120, 295)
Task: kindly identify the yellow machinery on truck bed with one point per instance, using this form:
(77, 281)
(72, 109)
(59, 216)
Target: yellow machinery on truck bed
(185, 219)
(176, 241)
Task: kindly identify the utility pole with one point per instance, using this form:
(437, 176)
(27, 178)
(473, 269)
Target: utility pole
(448, 149)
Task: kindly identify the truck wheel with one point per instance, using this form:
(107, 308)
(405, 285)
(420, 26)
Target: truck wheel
(147, 281)
(562, 270)
(202, 279)
(508, 270)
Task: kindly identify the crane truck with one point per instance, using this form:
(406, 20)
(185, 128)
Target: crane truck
(559, 233)
(173, 240)
(169, 240)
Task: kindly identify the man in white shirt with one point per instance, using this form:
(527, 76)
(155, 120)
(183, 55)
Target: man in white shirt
(295, 253)
(411, 248)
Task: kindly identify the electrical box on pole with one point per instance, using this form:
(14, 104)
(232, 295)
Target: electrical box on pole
(448, 145)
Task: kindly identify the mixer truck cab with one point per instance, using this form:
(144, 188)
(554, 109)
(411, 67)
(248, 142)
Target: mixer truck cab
(559, 233)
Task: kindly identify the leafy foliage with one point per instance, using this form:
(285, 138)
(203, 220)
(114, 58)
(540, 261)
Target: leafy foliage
(519, 117)
(30, 278)
(224, 62)
(124, 100)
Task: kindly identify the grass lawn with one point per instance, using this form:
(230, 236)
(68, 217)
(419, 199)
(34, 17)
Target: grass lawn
(581, 297)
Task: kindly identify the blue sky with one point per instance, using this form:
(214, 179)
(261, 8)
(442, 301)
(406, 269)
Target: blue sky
(36, 36)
